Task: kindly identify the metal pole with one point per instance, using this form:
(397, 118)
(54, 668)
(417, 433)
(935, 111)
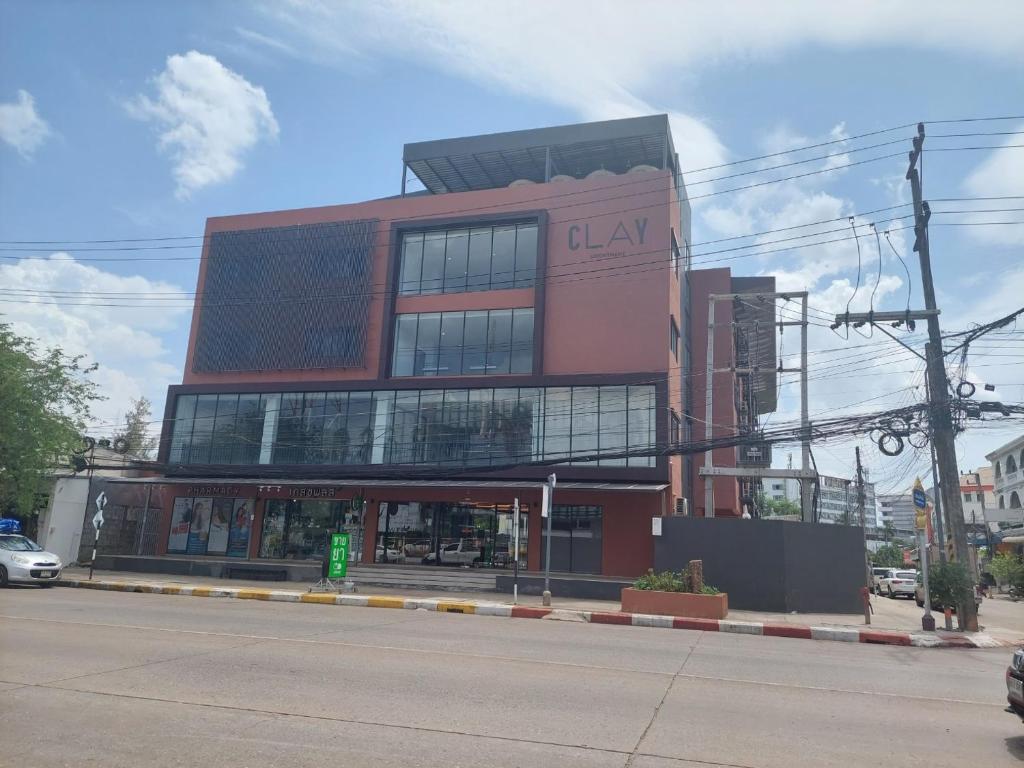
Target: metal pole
(939, 413)
(940, 528)
(549, 489)
(805, 419)
(405, 170)
(709, 482)
(927, 620)
(863, 522)
(515, 557)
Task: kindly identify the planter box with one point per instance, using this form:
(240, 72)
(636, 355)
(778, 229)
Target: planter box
(675, 603)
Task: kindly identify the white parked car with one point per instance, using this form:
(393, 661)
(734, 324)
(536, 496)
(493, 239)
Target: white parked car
(394, 555)
(900, 583)
(462, 552)
(22, 561)
(877, 575)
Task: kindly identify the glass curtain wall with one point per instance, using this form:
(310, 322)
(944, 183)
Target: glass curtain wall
(460, 427)
(460, 260)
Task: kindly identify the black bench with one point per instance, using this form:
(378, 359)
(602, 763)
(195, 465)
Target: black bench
(256, 572)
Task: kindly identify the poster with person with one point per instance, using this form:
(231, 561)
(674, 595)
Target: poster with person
(241, 524)
(199, 530)
(181, 517)
(220, 523)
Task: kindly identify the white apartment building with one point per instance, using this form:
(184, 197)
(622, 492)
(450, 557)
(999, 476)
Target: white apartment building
(1008, 482)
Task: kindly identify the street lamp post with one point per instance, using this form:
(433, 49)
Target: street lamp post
(546, 494)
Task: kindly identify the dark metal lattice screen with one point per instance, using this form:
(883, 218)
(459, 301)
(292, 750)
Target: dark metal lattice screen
(286, 298)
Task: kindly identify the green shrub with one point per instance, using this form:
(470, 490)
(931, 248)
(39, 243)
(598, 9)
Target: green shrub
(949, 584)
(669, 581)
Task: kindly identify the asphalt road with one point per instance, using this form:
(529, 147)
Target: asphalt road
(117, 679)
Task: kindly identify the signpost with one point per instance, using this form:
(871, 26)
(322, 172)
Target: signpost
(921, 526)
(515, 555)
(97, 522)
(545, 511)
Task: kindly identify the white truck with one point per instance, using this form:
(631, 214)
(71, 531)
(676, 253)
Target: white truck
(461, 552)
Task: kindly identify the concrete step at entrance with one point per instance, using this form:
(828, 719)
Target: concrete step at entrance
(436, 578)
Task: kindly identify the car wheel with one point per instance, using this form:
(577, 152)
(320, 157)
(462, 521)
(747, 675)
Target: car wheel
(3, 576)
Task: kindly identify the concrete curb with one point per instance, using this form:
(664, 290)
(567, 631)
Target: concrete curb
(479, 608)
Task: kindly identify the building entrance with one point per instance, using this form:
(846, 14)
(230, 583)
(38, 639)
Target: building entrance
(296, 529)
(453, 534)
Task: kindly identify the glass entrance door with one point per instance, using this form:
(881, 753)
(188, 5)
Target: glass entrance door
(300, 530)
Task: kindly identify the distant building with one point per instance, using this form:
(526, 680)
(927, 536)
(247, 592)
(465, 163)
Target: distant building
(837, 499)
(898, 509)
(1008, 481)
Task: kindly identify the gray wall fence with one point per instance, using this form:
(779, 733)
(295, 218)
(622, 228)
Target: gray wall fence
(770, 565)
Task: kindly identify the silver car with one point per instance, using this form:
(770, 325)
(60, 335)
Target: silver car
(22, 561)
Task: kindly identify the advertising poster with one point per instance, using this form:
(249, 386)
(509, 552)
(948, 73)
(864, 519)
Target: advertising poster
(241, 524)
(220, 523)
(181, 517)
(199, 531)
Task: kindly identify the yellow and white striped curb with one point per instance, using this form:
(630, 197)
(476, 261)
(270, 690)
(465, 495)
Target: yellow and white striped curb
(479, 608)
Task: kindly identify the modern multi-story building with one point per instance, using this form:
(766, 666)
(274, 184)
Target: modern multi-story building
(898, 508)
(408, 368)
(837, 501)
(1008, 481)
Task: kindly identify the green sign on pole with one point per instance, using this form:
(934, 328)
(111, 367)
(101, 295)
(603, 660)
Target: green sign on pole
(337, 563)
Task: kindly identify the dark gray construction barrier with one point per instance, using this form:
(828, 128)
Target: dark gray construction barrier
(770, 565)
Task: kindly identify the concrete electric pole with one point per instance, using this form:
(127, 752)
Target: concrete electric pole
(940, 417)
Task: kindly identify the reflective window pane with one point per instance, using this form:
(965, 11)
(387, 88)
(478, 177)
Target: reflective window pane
(184, 413)
(641, 424)
(499, 341)
(404, 356)
(474, 355)
(455, 261)
(522, 341)
(584, 421)
(503, 257)
(433, 262)
(427, 343)
(412, 264)
(202, 429)
(224, 437)
(612, 437)
(479, 270)
(526, 255)
(450, 354)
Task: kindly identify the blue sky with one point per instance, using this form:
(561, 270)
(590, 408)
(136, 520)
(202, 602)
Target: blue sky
(139, 120)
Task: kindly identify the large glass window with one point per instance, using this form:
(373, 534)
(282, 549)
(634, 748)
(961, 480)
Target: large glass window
(210, 526)
(457, 426)
(478, 259)
(445, 534)
(300, 530)
(463, 343)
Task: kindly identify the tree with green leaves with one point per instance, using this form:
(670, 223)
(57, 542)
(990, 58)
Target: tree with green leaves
(888, 556)
(776, 507)
(45, 397)
(136, 431)
(1008, 568)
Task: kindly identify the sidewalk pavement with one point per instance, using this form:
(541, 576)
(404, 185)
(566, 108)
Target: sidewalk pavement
(894, 622)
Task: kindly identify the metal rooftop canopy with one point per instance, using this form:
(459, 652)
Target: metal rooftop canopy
(496, 160)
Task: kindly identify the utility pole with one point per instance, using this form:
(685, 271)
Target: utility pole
(940, 528)
(863, 522)
(940, 418)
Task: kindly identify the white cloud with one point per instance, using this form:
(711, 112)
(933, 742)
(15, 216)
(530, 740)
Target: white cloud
(1001, 173)
(125, 341)
(21, 126)
(585, 55)
(208, 116)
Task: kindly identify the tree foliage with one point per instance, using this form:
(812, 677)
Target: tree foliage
(136, 429)
(777, 507)
(44, 404)
(888, 556)
(1008, 569)
(949, 584)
